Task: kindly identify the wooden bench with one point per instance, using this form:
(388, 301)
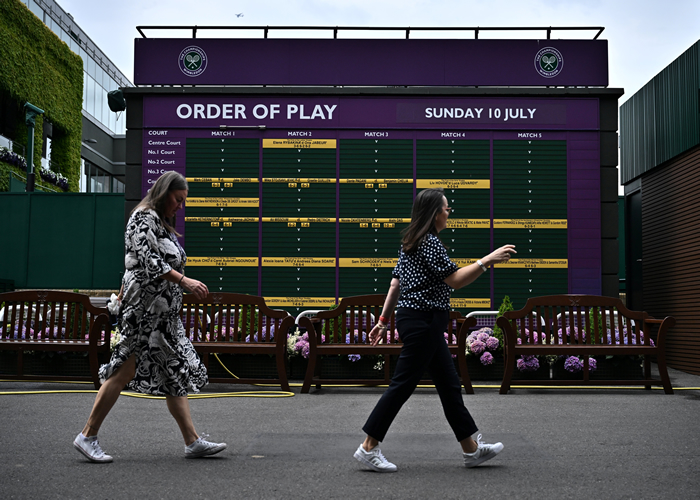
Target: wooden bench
(583, 325)
(232, 323)
(334, 334)
(45, 320)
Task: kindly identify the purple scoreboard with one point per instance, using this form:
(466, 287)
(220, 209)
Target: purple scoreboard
(299, 194)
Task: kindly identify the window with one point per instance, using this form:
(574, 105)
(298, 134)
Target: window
(38, 11)
(90, 96)
(84, 55)
(91, 66)
(117, 185)
(85, 87)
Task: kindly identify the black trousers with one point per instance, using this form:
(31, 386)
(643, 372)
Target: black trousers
(424, 348)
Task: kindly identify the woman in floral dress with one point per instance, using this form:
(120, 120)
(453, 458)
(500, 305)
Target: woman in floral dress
(154, 355)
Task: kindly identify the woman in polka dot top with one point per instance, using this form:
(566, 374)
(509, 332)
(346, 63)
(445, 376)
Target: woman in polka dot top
(420, 287)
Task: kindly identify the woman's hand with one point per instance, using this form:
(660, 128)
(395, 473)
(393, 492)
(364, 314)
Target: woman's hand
(375, 336)
(195, 287)
(502, 254)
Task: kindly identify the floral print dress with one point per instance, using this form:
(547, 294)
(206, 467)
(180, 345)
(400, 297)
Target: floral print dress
(151, 328)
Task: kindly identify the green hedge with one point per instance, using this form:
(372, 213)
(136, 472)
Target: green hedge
(6, 170)
(40, 68)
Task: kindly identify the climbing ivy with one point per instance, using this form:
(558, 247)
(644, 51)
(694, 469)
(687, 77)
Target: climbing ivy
(38, 67)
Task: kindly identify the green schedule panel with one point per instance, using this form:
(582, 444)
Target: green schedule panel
(530, 211)
(221, 223)
(304, 222)
(298, 225)
(376, 195)
(462, 168)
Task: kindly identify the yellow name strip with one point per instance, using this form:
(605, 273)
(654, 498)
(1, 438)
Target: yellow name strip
(468, 303)
(530, 223)
(454, 183)
(300, 301)
(222, 219)
(223, 261)
(469, 223)
(299, 143)
(299, 219)
(318, 180)
(399, 220)
(367, 262)
(376, 181)
(463, 262)
(222, 179)
(298, 261)
(535, 263)
(223, 202)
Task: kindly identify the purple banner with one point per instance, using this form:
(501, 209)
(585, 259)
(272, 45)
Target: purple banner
(213, 111)
(384, 62)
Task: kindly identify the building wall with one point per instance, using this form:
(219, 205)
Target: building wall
(671, 253)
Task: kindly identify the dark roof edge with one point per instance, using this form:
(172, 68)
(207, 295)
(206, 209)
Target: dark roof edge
(384, 91)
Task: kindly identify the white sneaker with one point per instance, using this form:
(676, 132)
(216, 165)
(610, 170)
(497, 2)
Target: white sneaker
(483, 453)
(374, 460)
(201, 448)
(90, 447)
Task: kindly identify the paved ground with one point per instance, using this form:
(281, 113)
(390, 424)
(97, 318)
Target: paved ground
(559, 443)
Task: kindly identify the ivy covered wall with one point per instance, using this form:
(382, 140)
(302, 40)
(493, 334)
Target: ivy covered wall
(37, 66)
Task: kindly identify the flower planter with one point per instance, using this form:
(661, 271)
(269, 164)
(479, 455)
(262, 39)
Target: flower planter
(68, 364)
(341, 367)
(618, 368)
(561, 373)
(479, 372)
(542, 373)
(296, 367)
(8, 362)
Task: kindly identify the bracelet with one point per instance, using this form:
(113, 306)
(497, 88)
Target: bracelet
(383, 319)
(482, 266)
(179, 283)
(381, 327)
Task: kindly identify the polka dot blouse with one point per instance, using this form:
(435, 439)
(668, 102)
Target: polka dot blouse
(421, 274)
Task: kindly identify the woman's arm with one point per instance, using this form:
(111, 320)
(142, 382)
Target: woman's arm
(392, 297)
(198, 288)
(466, 275)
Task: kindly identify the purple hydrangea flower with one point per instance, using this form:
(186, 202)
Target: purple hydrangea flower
(492, 343)
(528, 364)
(478, 347)
(486, 358)
(573, 364)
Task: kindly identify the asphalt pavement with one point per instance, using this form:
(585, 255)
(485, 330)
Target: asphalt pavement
(559, 443)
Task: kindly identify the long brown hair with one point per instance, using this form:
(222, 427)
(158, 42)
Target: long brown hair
(426, 206)
(157, 196)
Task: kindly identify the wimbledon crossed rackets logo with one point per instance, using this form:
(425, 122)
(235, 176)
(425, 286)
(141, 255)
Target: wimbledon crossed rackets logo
(549, 62)
(192, 61)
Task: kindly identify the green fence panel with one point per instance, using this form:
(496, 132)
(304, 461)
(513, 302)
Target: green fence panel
(61, 235)
(108, 257)
(14, 218)
(62, 240)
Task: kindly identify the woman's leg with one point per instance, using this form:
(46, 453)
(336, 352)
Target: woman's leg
(446, 379)
(179, 407)
(108, 395)
(415, 355)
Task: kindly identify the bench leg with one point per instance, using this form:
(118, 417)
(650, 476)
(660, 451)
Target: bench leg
(507, 374)
(282, 372)
(663, 372)
(308, 377)
(464, 372)
(94, 367)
